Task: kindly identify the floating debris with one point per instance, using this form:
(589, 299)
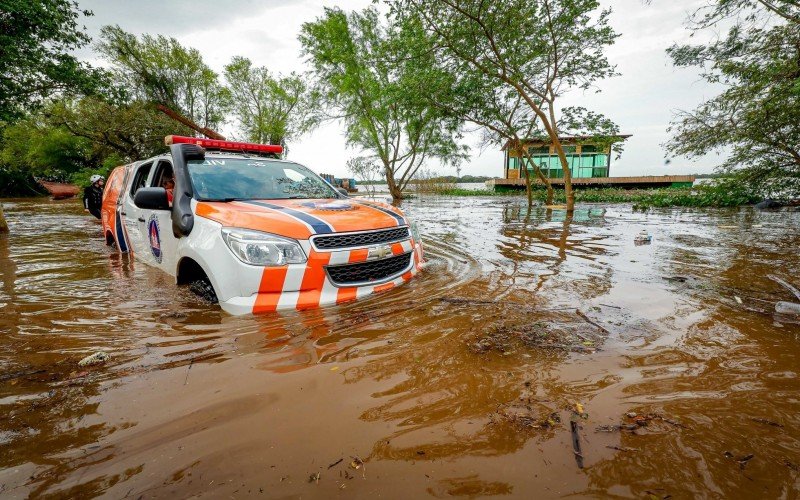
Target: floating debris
(622, 448)
(576, 443)
(524, 416)
(643, 238)
(356, 463)
(783, 283)
(742, 461)
(637, 421)
(766, 422)
(97, 358)
(791, 308)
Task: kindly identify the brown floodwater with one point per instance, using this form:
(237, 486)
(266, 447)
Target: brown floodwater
(464, 382)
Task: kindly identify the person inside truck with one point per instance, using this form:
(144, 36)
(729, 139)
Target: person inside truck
(168, 183)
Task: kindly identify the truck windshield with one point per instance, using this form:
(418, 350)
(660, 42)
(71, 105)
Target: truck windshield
(228, 179)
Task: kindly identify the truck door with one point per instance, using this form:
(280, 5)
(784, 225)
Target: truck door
(133, 216)
(163, 245)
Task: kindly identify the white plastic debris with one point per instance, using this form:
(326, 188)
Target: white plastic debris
(643, 237)
(787, 308)
(97, 358)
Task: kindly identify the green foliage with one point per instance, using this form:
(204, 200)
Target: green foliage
(31, 147)
(757, 116)
(36, 41)
(81, 177)
(71, 140)
(373, 77)
(271, 109)
(160, 70)
(131, 131)
(519, 56)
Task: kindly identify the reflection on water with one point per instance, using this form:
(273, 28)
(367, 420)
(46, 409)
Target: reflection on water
(461, 383)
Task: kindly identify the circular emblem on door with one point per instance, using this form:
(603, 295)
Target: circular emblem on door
(154, 235)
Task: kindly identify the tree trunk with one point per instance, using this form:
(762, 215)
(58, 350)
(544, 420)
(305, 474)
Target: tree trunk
(189, 123)
(542, 178)
(394, 189)
(547, 184)
(3, 223)
(570, 194)
(528, 187)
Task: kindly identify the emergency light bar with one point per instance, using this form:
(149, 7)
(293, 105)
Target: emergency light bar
(223, 145)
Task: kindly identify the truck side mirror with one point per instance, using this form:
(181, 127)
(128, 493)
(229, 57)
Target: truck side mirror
(151, 198)
(342, 191)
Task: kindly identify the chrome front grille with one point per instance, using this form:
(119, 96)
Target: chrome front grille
(370, 272)
(339, 241)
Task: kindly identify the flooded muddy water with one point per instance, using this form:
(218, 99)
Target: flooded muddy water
(464, 382)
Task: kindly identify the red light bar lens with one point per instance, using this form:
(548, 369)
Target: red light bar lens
(223, 145)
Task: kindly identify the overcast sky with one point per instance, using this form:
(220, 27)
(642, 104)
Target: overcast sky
(642, 100)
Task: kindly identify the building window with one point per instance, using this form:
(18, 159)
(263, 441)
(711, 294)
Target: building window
(543, 150)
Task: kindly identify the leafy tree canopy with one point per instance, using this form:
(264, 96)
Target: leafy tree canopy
(158, 69)
(373, 76)
(130, 132)
(271, 108)
(536, 51)
(36, 39)
(757, 115)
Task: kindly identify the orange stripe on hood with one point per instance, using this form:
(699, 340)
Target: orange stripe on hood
(342, 215)
(253, 217)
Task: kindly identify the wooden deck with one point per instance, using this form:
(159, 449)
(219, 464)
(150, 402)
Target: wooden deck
(629, 182)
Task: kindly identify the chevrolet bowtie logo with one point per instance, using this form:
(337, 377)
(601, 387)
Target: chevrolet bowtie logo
(379, 252)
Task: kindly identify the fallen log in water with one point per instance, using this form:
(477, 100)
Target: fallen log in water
(576, 444)
(60, 190)
(788, 286)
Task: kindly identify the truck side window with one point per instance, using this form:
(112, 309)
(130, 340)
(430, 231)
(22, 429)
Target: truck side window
(163, 173)
(140, 179)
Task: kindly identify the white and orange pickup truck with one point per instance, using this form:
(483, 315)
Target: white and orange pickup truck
(254, 232)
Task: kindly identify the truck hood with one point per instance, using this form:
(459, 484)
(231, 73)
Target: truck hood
(300, 219)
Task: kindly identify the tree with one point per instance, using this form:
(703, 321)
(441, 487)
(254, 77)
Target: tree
(757, 116)
(36, 41)
(541, 50)
(68, 140)
(130, 131)
(373, 77)
(271, 109)
(505, 119)
(366, 170)
(175, 78)
(32, 147)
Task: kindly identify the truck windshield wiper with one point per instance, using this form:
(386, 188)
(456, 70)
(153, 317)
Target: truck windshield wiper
(224, 200)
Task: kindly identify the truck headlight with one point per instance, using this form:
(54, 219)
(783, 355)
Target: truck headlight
(262, 249)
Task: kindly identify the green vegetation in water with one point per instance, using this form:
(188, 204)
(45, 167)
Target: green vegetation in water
(723, 194)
